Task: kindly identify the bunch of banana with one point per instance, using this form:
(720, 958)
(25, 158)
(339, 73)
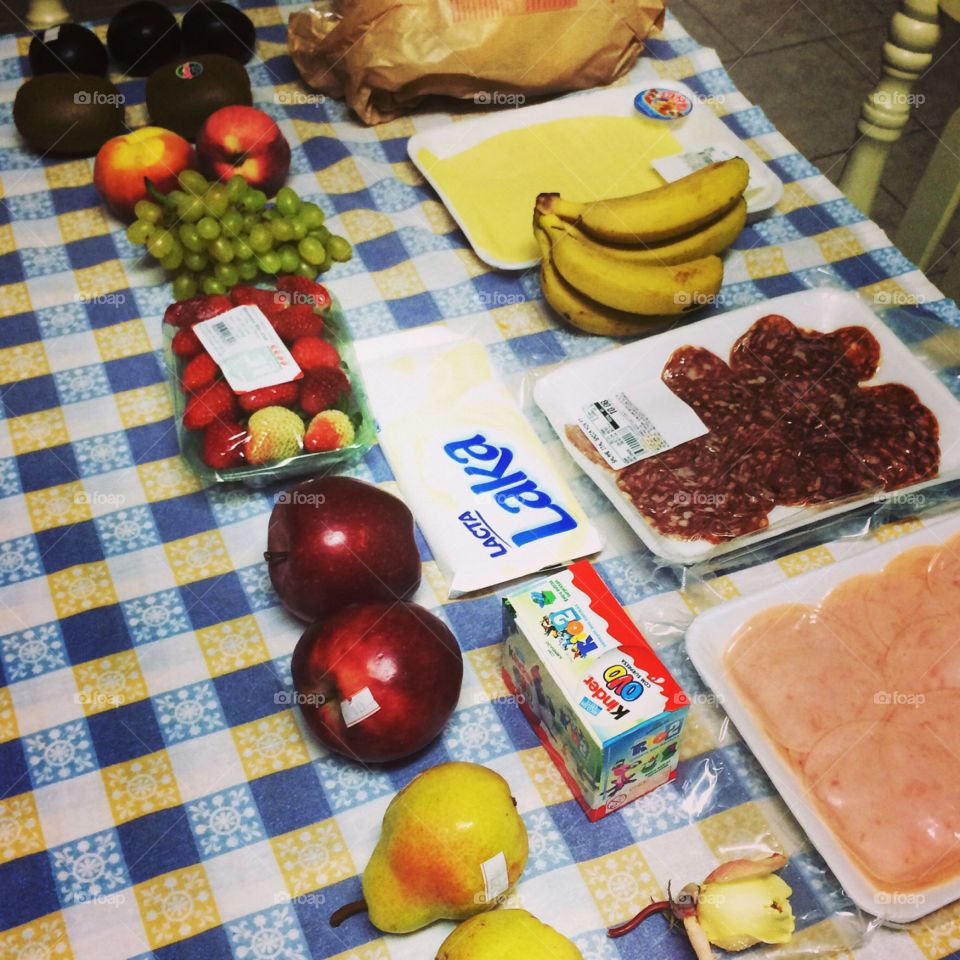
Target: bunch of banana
(632, 264)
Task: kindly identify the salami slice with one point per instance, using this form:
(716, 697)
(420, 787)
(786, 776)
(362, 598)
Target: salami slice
(860, 350)
(894, 435)
(789, 424)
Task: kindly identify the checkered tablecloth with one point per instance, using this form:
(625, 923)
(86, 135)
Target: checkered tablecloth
(158, 795)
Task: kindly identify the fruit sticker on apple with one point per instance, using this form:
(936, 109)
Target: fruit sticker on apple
(377, 681)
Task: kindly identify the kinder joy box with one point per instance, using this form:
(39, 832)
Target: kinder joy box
(598, 697)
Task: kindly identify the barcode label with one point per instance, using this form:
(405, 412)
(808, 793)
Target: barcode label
(623, 433)
(632, 443)
(247, 349)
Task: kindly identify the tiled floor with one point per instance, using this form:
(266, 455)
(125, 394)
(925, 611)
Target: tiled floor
(809, 64)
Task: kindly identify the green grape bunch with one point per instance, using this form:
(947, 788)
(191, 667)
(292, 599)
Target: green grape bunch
(212, 236)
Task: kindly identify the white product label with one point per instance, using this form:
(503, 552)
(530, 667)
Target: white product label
(495, 877)
(51, 34)
(358, 707)
(682, 164)
(247, 349)
(632, 425)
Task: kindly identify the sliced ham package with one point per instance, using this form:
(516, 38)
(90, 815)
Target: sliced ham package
(845, 683)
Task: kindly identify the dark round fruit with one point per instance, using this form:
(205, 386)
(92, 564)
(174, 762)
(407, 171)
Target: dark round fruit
(213, 27)
(68, 48)
(143, 36)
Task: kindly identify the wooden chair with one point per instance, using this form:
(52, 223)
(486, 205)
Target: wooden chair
(914, 32)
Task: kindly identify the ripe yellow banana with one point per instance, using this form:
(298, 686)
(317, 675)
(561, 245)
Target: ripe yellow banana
(659, 214)
(648, 289)
(715, 237)
(583, 313)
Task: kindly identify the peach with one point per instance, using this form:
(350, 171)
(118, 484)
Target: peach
(247, 141)
(125, 162)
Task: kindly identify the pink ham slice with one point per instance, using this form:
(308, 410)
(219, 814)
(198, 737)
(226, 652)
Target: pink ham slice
(846, 612)
(926, 657)
(802, 680)
(890, 791)
(944, 575)
(901, 595)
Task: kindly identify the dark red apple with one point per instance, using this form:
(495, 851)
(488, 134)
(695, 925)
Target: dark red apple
(377, 681)
(247, 141)
(333, 541)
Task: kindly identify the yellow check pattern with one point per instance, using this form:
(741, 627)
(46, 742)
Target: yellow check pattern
(160, 795)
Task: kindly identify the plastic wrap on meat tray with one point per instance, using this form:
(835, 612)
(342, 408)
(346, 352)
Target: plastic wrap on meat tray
(809, 407)
(859, 686)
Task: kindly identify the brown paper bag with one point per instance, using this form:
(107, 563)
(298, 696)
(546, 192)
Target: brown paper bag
(384, 56)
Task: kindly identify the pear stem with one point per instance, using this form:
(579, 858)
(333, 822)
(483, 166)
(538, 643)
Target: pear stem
(347, 911)
(624, 928)
(270, 555)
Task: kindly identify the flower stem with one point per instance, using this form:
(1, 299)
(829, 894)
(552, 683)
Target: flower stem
(624, 928)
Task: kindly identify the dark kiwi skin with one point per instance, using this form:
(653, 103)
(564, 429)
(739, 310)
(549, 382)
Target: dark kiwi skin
(182, 104)
(63, 114)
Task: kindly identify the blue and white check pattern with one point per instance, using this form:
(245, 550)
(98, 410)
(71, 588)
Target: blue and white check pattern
(159, 798)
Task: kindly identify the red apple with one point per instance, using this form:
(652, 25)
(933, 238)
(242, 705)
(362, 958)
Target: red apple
(333, 541)
(124, 162)
(247, 141)
(377, 681)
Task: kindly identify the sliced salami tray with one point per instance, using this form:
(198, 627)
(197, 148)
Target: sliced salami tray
(879, 791)
(891, 418)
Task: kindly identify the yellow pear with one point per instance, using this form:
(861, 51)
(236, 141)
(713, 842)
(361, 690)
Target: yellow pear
(506, 935)
(451, 844)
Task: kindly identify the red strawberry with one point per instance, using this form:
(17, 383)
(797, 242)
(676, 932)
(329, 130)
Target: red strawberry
(186, 343)
(280, 395)
(322, 388)
(312, 353)
(269, 301)
(297, 321)
(216, 402)
(305, 291)
(328, 430)
(185, 313)
(200, 372)
(223, 444)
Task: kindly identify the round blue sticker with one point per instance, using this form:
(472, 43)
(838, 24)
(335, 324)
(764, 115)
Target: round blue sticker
(662, 103)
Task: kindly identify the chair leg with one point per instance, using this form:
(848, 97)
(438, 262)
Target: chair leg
(935, 199)
(951, 279)
(914, 32)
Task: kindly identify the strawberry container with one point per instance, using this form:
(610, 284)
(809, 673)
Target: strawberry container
(351, 404)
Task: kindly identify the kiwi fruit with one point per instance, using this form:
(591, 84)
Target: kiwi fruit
(68, 114)
(213, 27)
(142, 36)
(67, 48)
(182, 94)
